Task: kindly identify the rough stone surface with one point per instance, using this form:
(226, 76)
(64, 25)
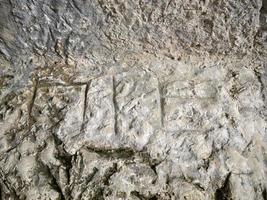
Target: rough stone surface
(133, 99)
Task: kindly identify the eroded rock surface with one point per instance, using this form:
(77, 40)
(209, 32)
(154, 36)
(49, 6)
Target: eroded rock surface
(133, 100)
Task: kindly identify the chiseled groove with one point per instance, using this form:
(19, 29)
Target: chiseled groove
(85, 100)
(114, 105)
(160, 102)
(125, 153)
(56, 84)
(30, 107)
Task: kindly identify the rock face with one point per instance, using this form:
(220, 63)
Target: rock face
(134, 100)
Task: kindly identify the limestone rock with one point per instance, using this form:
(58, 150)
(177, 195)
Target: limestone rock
(138, 100)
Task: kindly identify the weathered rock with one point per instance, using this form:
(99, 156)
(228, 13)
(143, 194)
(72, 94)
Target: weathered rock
(133, 99)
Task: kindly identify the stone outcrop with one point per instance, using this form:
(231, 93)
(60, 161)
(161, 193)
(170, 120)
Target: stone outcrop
(133, 99)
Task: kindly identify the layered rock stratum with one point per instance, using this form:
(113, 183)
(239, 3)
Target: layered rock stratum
(133, 99)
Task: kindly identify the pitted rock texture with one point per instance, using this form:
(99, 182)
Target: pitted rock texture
(133, 100)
